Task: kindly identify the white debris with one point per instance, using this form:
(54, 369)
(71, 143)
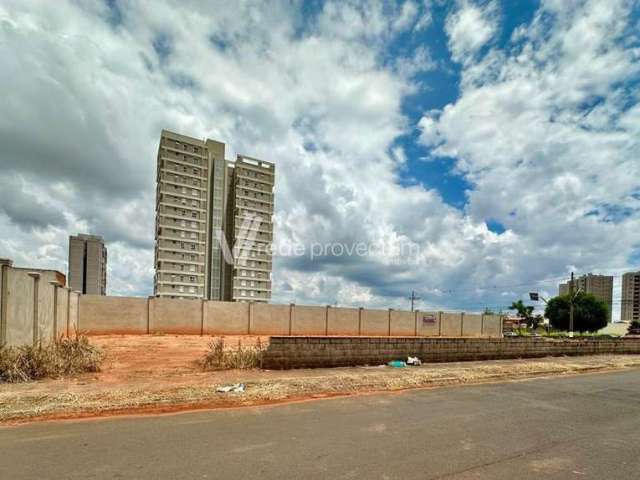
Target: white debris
(235, 388)
(414, 361)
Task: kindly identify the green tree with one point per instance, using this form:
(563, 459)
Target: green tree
(525, 312)
(589, 313)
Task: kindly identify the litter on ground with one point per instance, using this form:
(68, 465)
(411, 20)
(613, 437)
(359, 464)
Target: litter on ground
(235, 388)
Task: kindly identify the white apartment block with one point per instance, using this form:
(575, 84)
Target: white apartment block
(201, 199)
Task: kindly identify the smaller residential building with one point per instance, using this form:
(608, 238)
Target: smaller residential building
(88, 264)
(46, 273)
(630, 309)
(600, 286)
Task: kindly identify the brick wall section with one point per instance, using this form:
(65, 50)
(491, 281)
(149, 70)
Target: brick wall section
(314, 352)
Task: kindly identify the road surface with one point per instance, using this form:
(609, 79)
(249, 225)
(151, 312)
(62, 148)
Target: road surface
(583, 427)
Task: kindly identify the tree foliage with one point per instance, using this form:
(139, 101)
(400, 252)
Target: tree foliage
(589, 315)
(525, 312)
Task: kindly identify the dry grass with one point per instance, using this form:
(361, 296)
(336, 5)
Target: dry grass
(67, 356)
(218, 357)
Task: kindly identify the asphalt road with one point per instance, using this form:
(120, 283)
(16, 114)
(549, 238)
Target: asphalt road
(583, 427)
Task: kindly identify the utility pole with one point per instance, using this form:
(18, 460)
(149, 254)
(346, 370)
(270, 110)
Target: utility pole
(571, 307)
(413, 298)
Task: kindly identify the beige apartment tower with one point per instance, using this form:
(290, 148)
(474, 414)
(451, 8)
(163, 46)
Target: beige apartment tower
(600, 286)
(213, 222)
(87, 264)
(630, 310)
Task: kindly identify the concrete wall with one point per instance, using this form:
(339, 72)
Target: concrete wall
(403, 323)
(121, 315)
(266, 319)
(450, 324)
(428, 324)
(62, 312)
(314, 352)
(20, 309)
(31, 305)
(374, 322)
(74, 313)
(176, 316)
(308, 320)
(229, 318)
(343, 321)
(99, 315)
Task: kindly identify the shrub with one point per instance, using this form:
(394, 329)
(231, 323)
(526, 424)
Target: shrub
(66, 356)
(242, 357)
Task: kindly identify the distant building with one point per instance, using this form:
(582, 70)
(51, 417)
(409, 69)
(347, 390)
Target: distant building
(88, 264)
(600, 286)
(630, 310)
(203, 204)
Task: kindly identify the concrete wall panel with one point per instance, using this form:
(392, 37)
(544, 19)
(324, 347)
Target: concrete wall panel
(45, 312)
(177, 316)
(492, 326)
(74, 313)
(451, 324)
(403, 323)
(375, 322)
(19, 308)
(100, 315)
(343, 321)
(226, 318)
(62, 312)
(472, 325)
(308, 320)
(269, 319)
(428, 324)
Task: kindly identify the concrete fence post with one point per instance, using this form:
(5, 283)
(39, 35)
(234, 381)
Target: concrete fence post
(360, 321)
(415, 322)
(68, 311)
(249, 317)
(55, 286)
(482, 325)
(4, 278)
(36, 284)
(202, 307)
(389, 328)
(292, 307)
(440, 324)
(462, 324)
(326, 320)
(148, 314)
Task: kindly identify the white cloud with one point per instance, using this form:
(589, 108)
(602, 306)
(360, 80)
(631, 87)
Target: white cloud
(545, 135)
(470, 27)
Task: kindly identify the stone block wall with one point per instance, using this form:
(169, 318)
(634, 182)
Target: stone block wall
(316, 352)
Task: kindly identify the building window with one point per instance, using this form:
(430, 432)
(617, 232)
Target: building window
(192, 279)
(181, 289)
(193, 246)
(253, 294)
(243, 293)
(243, 283)
(192, 289)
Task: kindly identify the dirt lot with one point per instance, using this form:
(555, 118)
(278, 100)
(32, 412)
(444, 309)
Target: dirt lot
(152, 374)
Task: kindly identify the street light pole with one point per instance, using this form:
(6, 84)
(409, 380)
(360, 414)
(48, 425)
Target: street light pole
(571, 307)
(413, 298)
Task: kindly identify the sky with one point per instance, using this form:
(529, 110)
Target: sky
(480, 150)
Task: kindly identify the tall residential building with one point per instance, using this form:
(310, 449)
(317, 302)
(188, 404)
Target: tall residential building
(600, 286)
(87, 264)
(213, 222)
(630, 296)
